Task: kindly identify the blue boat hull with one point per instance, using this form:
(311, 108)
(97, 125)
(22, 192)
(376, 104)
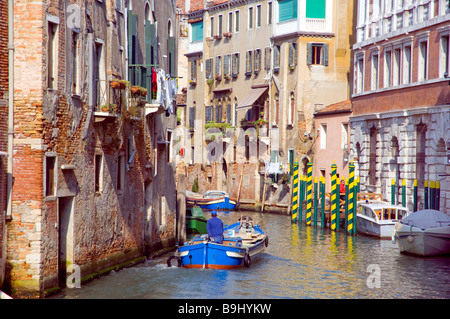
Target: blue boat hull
(222, 203)
(233, 253)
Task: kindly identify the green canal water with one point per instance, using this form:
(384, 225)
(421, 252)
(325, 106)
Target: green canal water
(300, 262)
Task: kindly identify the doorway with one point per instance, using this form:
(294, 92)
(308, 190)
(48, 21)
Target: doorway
(65, 251)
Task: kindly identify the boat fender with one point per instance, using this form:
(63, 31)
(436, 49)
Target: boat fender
(169, 261)
(394, 240)
(410, 239)
(247, 260)
(267, 241)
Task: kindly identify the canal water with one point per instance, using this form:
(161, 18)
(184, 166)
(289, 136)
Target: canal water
(300, 262)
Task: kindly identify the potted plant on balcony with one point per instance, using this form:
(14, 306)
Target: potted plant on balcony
(227, 34)
(119, 84)
(218, 78)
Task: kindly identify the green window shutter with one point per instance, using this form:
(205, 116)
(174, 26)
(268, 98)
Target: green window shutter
(325, 54)
(315, 9)
(197, 31)
(226, 64)
(287, 10)
(235, 64)
(248, 62)
(131, 31)
(219, 65)
(309, 53)
(292, 54)
(229, 113)
(172, 56)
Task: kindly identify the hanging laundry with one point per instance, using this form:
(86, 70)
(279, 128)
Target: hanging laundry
(154, 83)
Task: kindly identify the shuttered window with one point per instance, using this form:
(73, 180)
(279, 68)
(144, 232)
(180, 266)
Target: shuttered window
(219, 66)
(197, 31)
(267, 52)
(227, 65)
(315, 9)
(194, 69)
(257, 60)
(276, 57)
(208, 114)
(287, 10)
(235, 67)
(248, 62)
(208, 72)
(292, 55)
(317, 54)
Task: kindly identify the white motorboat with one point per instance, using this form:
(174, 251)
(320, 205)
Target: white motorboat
(424, 233)
(378, 218)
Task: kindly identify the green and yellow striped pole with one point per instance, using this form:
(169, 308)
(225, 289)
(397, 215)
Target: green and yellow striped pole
(322, 196)
(404, 193)
(351, 201)
(346, 203)
(393, 191)
(295, 193)
(415, 196)
(309, 194)
(438, 195)
(300, 199)
(316, 201)
(334, 206)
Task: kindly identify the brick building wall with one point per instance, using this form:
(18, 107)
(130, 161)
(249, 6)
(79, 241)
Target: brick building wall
(3, 129)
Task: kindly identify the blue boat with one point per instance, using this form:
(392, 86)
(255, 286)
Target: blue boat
(211, 200)
(243, 243)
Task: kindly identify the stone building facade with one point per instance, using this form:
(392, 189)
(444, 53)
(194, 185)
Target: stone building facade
(400, 124)
(94, 189)
(261, 68)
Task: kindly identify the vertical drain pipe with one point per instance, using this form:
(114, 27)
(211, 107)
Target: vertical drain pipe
(10, 107)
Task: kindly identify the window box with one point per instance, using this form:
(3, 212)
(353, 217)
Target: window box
(228, 34)
(193, 82)
(217, 37)
(218, 78)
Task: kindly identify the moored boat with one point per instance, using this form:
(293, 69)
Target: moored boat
(378, 218)
(424, 233)
(243, 243)
(211, 200)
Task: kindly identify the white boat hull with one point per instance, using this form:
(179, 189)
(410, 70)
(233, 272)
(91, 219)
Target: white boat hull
(380, 229)
(429, 242)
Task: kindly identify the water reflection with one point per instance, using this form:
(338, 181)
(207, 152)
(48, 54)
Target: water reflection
(300, 262)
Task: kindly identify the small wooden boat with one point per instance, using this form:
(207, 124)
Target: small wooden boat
(243, 243)
(378, 218)
(195, 221)
(423, 233)
(211, 200)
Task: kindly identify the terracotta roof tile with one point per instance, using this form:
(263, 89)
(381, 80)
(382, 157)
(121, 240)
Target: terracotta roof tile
(343, 106)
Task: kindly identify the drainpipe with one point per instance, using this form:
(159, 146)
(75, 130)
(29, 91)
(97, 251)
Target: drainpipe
(10, 107)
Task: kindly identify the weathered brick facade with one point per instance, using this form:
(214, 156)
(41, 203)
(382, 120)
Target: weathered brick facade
(3, 129)
(82, 176)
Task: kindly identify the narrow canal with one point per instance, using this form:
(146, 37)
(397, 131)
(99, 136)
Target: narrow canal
(300, 262)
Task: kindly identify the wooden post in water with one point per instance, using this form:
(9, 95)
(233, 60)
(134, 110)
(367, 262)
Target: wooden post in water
(322, 206)
(438, 195)
(315, 201)
(334, 205)
(351, 200)
(309, 194)
(181, 209)
(295, 193)
(425, 194)
(393, 192)
(404, 193)
(432, 193)
(415, 196)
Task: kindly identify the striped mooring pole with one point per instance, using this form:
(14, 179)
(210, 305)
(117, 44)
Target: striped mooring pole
(346, 203)
(316, 201)
(322, 206)
(415, 196)
(404, 193)
(295, 193)
(438, 196)
(393, 192)
(425, 191)
(351, 201)
(432, 188)
(333, 195)
(309, 186)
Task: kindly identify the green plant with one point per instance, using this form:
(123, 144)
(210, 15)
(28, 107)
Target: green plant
(195, 186)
